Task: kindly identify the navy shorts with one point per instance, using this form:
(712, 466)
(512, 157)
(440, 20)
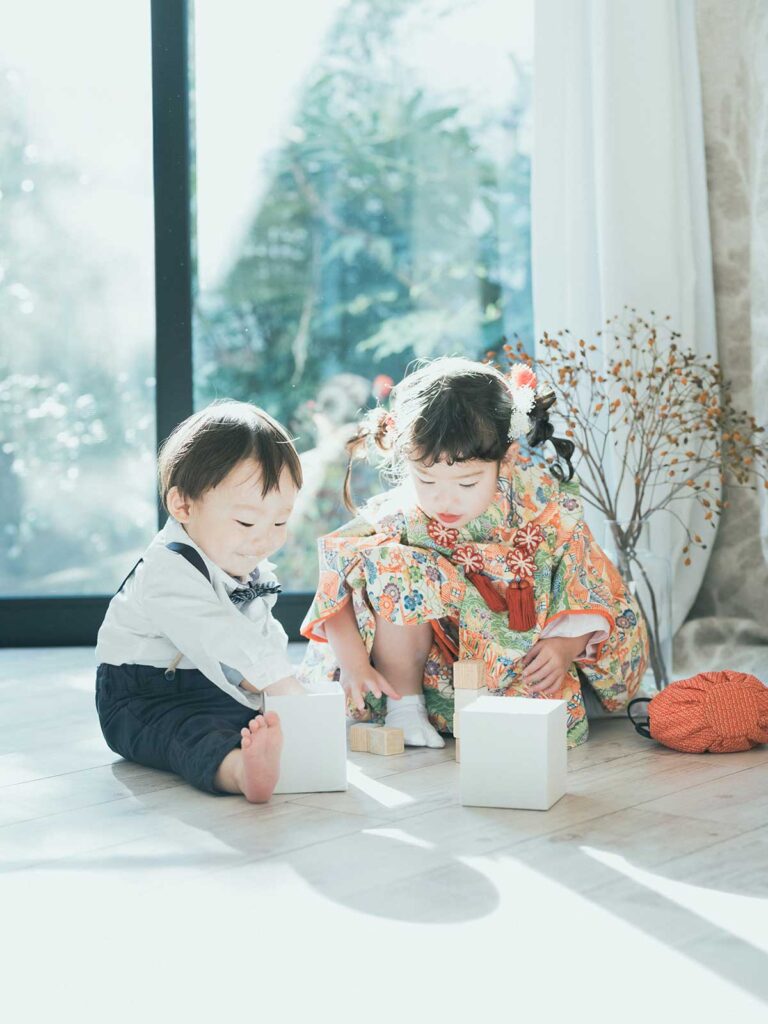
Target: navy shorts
(185, 725)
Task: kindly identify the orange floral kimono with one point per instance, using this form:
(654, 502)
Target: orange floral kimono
(394, 561)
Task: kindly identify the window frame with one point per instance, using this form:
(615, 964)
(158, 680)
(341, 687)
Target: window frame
(74, 620)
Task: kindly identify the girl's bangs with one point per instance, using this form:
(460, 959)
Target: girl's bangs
(435, 442)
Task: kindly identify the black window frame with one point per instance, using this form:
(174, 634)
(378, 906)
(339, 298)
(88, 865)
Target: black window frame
(74, 620)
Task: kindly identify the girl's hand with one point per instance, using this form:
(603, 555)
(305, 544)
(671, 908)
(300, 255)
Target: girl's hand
(365, 679)
(547, 663)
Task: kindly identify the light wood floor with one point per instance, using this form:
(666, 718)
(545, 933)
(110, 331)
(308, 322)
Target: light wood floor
(126, 895)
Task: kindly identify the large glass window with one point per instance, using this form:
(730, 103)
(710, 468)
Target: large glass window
(362, 199)
(77, 425)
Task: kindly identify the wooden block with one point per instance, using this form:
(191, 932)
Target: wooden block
(358, 736)
(457, 753)
(385, 741)
(375, 739)
(513, 752)
(468, 675)
(314, 756)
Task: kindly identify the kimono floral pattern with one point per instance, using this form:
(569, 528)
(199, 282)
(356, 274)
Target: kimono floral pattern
(409, 569)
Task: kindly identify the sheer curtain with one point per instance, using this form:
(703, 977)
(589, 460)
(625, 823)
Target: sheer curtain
(619, 196)
(727, 626)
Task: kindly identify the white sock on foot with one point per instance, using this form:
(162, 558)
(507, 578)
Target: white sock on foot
(410, 715)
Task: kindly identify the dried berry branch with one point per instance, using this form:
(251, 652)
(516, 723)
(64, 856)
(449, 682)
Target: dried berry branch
(670, 416)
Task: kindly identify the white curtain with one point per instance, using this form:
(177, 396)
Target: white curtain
(727, 626)
(619, 193)
(757, 65)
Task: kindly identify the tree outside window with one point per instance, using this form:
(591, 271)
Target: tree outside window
(380, 215)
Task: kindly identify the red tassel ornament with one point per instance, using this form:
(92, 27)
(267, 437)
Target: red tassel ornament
(521, 606)
(485, 589)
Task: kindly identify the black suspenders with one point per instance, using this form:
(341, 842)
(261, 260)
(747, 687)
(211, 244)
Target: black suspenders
(186, 551)
(194, 558)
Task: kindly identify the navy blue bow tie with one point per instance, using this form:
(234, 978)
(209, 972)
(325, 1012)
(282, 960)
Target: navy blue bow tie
(252, 589)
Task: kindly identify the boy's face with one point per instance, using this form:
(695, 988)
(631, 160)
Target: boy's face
(454, 494)
(233, 523)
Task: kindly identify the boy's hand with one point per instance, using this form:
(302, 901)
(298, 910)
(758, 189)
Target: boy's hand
(547, 663)
(365, 679)
(287, 687)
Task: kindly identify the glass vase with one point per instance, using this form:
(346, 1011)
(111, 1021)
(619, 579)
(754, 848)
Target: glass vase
(648, 576)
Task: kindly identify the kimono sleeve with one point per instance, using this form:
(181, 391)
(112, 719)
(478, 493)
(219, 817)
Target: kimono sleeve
(584, 581)
(573, 625)
(340, 557)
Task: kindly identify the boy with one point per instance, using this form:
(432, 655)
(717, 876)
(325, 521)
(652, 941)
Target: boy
(189, 642)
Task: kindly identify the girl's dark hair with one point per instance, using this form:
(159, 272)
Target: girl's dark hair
(543, 430)
(203, 449)
(452, 409)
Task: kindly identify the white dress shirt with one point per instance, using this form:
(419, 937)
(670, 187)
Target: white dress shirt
(168, 607)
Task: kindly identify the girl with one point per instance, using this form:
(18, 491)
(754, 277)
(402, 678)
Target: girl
(479, 551)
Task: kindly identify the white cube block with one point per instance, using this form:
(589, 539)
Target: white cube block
(462, 699)
(314, 757)
(513, 752)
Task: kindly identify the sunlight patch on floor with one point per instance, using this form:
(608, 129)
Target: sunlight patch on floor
(745, 917)
(385, 795)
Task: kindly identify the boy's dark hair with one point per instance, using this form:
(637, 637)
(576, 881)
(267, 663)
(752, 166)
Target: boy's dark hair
(203, 449)
(456, 410)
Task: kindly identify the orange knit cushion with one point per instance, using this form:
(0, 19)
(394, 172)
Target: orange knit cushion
(720, 712)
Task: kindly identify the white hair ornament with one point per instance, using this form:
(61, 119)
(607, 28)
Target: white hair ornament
(522, 382)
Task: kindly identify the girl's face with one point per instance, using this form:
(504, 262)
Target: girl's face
(454, 494)
(234, 524)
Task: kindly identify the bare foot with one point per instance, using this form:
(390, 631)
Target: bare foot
(261, 744)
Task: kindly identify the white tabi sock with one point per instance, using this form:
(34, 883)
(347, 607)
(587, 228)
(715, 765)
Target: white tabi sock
(410, 715)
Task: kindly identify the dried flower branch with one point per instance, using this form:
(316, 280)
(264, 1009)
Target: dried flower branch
(669, 414)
